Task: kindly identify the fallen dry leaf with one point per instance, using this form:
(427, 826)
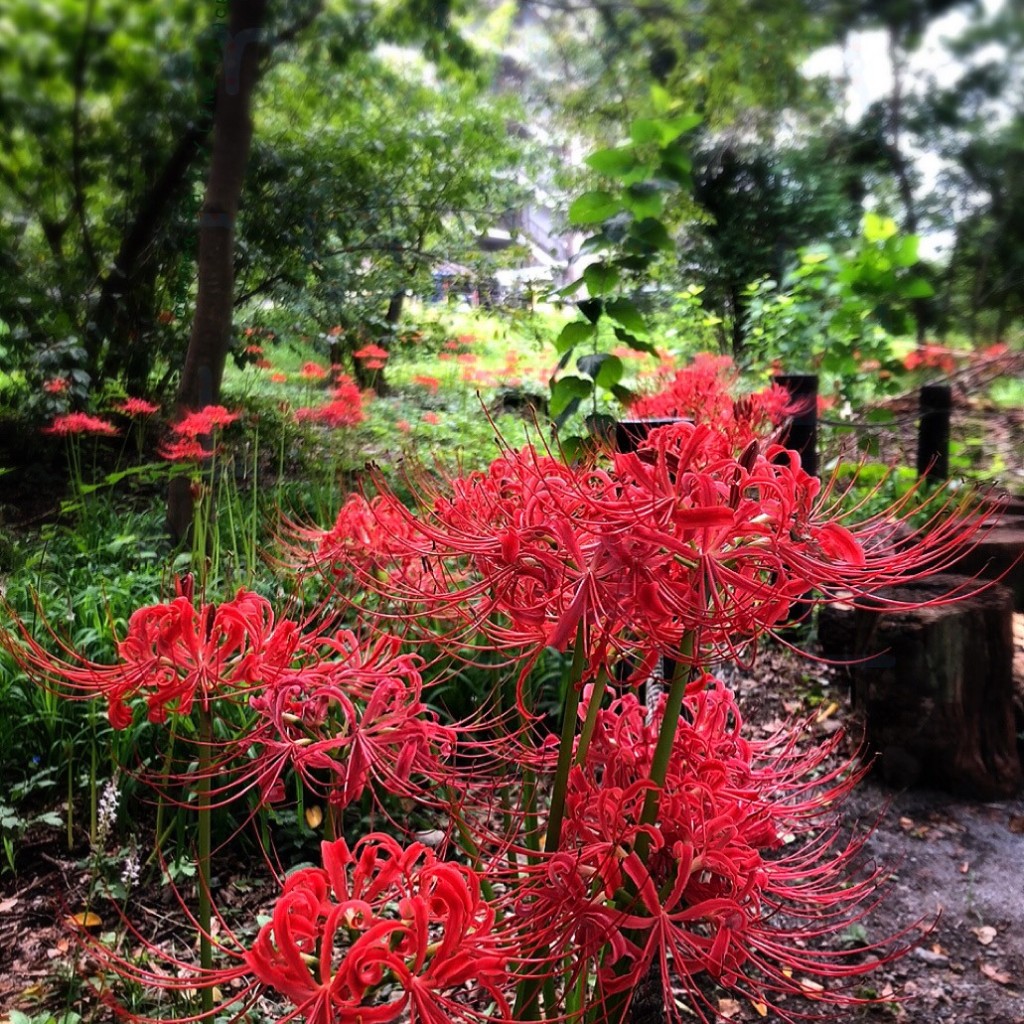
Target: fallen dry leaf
(986, 933)
(1017, 824)
(760, 1009)
(728, 1007)
(965, 867)
(995, 974)
(86, 919)
(314, 816)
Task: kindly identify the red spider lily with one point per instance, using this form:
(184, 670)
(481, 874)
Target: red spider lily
(312, 371)
(74, 423)
(936, 357)
(374, 352)
(137, 407)
(279, 378)
(379, 933)
(430, 383)
(432, 418)
(204, 421)
(184, 450)
(643, 550)
(744, 878)
(702, 392)
(368, 537)
(340, 715)
(172, 655)
(56, 386)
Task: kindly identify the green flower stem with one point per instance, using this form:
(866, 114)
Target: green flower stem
(666, 737)
(528, 1002)
(570, 705)
(204, 814)
(590, 723)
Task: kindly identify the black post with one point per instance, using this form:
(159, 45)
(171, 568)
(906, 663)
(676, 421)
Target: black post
(933, 432)
(802, 434)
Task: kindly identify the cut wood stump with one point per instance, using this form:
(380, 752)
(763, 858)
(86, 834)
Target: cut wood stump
(998, 554)
(937, 692)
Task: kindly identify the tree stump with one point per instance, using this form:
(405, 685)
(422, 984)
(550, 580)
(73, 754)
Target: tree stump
(998, 554)
(937, 691)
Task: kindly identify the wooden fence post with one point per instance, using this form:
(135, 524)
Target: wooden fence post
(933, 432)
(802, 434)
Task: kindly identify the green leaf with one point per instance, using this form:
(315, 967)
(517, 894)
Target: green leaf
(635, 343)
(594, 207)
(651, 234)
(644, 200)
(917, 288)
(623, 394)
(604, 368)
(625, 313)
(673, 127)
(565, 389)
(572, 334)
(877, 228)
(645, 130)
(906, 250)
(591, 309)
(600, 278)
(617, 162)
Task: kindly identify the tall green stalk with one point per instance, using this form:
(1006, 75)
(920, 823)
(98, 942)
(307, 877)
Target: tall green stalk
(204, 813)
(666, 737)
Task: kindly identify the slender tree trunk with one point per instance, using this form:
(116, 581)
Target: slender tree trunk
(232, 138)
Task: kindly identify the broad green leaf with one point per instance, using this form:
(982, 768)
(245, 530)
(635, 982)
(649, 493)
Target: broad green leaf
(625, 313)
(591, 309)
(918, 288)
(604, 368)
(645, 130)
(650, 235)
(616, 163)
(572, 334)
(877, 228)
(594, 207)
(565, 389)
(673, 127)
(634, 342)
(600, 278)
(644, 200)
(906, 250)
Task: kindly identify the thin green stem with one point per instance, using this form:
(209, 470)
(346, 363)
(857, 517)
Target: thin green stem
(204, 813)
(590, 722)
(666, 737)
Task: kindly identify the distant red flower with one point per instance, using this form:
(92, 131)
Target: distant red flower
(703, 392)
(184, 450)
(73, 423)
(335, 332)
(404, 426)
(56, 385)
(432, 418)
(371, 352)
(430, 383)
(165, 316)
(254, 350)
(344, 410)
(279, 378)
(137, 407)
(204, 421)
(312, 371)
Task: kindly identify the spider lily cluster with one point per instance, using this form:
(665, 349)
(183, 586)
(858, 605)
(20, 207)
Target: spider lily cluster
(636, 841)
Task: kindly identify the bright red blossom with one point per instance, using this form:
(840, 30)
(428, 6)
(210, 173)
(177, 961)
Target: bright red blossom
(137, 407)
(73, 423)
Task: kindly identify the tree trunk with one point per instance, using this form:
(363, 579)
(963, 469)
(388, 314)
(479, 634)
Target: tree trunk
(935, 685)
(232, 138)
